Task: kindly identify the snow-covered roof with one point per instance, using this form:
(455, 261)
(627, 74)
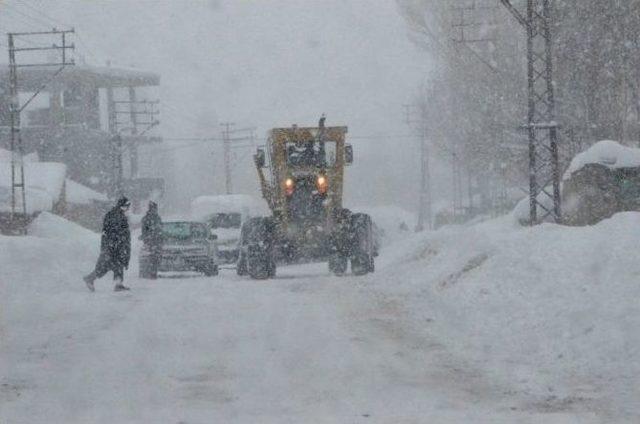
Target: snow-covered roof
(203, 206)
(608, 153)
(44, 182)
(81, 194)
(97, 76)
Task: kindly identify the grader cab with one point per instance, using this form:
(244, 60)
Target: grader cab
(301, 171)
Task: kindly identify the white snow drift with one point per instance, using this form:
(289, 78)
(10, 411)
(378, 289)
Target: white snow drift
(486, 323)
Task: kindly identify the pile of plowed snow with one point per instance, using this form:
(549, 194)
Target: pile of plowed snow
(393, 223)
(51, 226)
(51, 258)
(550, 310)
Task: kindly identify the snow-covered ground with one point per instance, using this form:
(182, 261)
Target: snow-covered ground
(488, 323)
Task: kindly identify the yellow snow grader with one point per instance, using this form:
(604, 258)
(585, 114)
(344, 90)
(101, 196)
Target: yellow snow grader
(301, 172)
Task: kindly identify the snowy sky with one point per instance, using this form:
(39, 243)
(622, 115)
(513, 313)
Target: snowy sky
(260, 63)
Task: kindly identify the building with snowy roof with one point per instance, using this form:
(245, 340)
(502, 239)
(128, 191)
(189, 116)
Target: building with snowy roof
(82, 118)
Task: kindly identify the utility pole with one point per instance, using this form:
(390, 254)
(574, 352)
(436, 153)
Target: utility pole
(227, 139)
(119, 165)
(226, 135)
(473, 21)
(425, 182)
(133, 117)
(473, 25)
(456, 170)
(541, 126)
(17, 148)
(424, 209)
(142, 116)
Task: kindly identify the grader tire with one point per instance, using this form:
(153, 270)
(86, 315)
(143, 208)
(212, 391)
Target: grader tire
(362, 249)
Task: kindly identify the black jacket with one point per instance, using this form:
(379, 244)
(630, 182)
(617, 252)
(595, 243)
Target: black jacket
(152, 228)
(116, 237)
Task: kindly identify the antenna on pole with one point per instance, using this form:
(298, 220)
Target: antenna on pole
(19, 225)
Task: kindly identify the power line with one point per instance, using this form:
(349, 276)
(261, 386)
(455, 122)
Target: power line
(37, 22)
(21, 20)
(191, 145)
(39, 12)
(181, 113)
(50, 20)
(200, 141)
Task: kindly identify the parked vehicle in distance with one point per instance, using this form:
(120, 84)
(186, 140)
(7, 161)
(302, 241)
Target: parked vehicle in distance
(187, 246)
(225, 214)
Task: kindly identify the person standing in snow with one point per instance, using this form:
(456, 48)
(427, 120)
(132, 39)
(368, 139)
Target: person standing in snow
(115, 246)
(152, 238)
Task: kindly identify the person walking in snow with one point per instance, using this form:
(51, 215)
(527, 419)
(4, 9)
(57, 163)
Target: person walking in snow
(152, 239)
(115, 246)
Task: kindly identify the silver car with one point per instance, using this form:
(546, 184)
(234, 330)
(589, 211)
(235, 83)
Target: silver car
(187, 246)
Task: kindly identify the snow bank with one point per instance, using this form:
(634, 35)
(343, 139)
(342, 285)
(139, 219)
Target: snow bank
(37, 199)
(521, 212)
(608, 153)
(549, 310)
(50, 259)
(44, 182)
(51, 226)
(395, 222)
(81, 194)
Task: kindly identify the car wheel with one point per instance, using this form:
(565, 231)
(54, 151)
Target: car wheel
(144, 268)
(210, 270)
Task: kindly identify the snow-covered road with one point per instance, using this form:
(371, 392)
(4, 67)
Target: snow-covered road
(304, 347)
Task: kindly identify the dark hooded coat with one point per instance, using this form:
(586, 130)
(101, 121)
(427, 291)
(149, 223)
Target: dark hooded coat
(152, 228)
(116, 236)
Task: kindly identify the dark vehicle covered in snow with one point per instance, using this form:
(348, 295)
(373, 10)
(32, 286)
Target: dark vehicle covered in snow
(187, 246)
(600, 182)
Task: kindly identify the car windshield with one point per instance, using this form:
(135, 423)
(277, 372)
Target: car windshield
(226, 220)
(183, 230)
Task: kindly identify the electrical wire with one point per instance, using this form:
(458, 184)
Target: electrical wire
(50, 20)
(28, 25)
(39, 12)
(26, 18)
(207, 140)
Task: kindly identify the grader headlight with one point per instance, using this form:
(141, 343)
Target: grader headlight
(288, 186)
(322, 184)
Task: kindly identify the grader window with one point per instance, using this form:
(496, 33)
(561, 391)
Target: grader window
(310, 154)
